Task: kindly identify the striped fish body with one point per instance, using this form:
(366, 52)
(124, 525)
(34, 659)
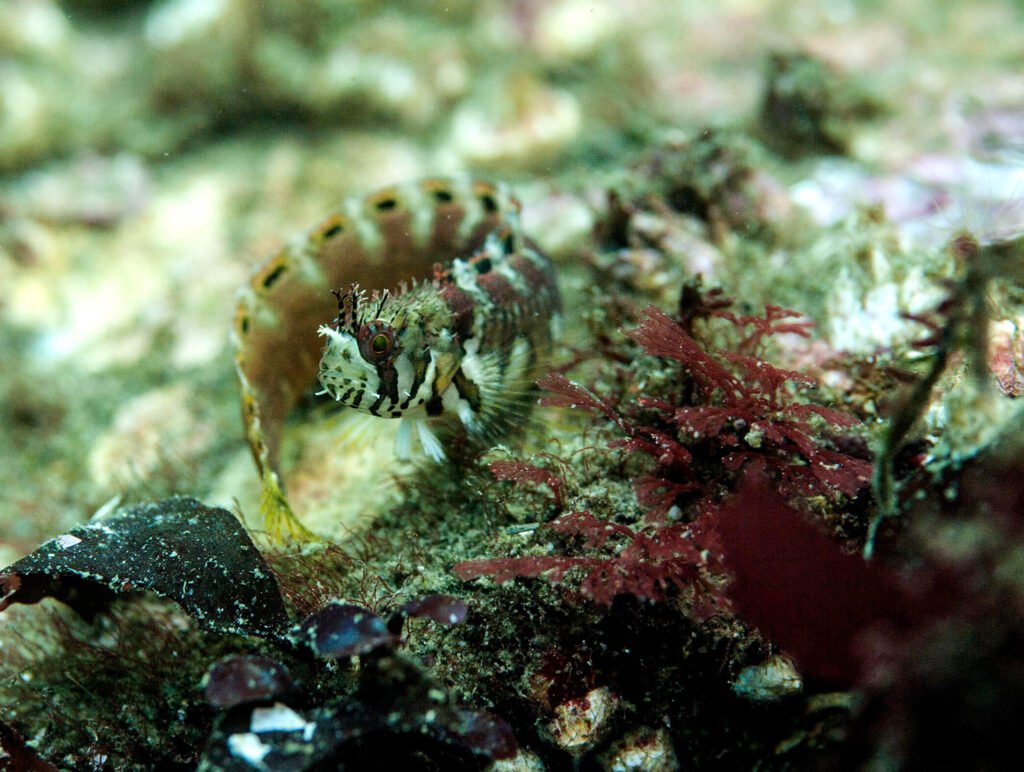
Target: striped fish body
(463, 347)
(481, 309)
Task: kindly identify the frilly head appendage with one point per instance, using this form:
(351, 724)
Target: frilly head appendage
(356, 308)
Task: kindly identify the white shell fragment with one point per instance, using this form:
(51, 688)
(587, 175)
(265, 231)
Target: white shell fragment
(580, 724)
(280, 718)
(772, 680)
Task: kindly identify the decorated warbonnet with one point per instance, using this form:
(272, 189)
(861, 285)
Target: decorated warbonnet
(465, 345)
(452, 335)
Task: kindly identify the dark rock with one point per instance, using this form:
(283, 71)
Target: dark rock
(199, 557)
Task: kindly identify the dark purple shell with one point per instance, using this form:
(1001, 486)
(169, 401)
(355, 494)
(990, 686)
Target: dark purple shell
(239, 680)
(341, 630)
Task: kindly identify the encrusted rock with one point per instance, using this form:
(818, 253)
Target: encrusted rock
(523, 761)
(772, 680)
(581, 723)
(151, 436)
(643, 749)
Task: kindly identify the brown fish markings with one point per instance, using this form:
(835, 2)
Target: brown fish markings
(463, 345)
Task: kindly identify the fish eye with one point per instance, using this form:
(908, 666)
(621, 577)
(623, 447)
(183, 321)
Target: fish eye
(376, 341)
(380, 344)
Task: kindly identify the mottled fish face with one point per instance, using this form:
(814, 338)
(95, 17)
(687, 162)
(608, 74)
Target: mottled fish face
(383, 366)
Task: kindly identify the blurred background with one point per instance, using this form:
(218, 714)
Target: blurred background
(152, 152)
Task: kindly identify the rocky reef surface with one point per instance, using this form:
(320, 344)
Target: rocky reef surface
(765, 513)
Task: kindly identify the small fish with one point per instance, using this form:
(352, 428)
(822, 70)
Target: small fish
(467, 344)
(461, 318)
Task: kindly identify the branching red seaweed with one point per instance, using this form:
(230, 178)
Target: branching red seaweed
(519, 472)
(647, 565)
(737, 412)
(741, 409)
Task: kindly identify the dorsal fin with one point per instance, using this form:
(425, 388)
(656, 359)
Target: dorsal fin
(392, 236)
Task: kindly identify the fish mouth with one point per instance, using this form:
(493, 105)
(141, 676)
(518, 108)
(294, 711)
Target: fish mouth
(346, 391)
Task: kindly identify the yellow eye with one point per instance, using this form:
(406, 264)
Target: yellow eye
(380, 344)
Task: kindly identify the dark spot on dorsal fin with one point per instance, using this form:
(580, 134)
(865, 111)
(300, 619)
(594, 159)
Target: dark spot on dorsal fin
(488, 203)
(508, 242)
(271, 278)
(330, 227)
